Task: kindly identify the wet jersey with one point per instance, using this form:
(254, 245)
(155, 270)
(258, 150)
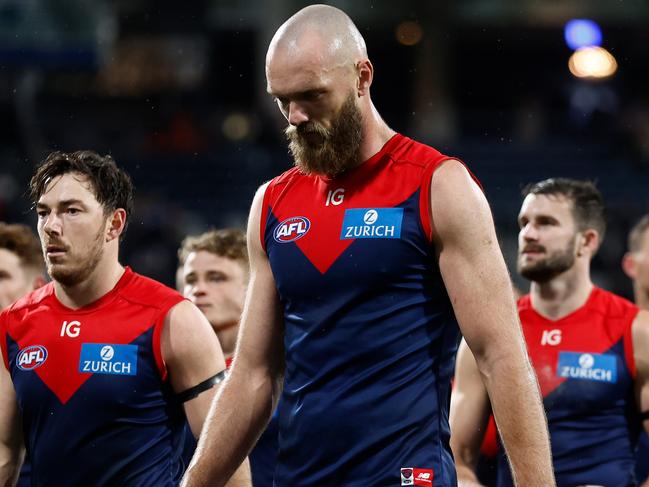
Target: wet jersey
(584, 362)
(370, 334)
(91, 385)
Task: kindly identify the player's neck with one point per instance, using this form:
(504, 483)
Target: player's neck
(375, 134)
(641, 297)
(100, 282)
(562, 295)
(228, 338)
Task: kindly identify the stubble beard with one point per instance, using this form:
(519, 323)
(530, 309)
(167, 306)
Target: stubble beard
(82, 266)
(545, 270)
(339, 147)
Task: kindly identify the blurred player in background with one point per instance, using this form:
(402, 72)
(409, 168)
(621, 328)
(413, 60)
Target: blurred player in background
(22, 270)
(590, 348)
(21, 263)
(364, 258)
(215, 275)
(102, 365)
(636, 266)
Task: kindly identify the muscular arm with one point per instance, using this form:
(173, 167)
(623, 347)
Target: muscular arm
(640, 333)
(480, 290)
(245, 403)
(469, 416)
(193, 354)
(11, 438)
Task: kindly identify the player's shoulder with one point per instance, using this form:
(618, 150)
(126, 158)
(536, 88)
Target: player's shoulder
(285, 178)
(524, 303)
(148, 292)
(33, 299)
(409, 152)
(610, 304)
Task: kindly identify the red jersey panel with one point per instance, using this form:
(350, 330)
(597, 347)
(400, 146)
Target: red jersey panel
(584, 363)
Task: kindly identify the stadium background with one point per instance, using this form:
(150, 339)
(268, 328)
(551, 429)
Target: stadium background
(175, 91)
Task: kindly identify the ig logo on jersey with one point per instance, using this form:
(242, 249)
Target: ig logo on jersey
(291, 229)
(31, 357)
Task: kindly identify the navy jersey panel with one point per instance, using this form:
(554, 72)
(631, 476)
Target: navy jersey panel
(263, 456)
(642, 458)
(119, 430)
(586, 374)
(91, 386)
(370, 335)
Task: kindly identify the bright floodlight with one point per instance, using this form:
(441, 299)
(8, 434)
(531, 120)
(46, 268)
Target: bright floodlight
(582, 33)
(592, 62)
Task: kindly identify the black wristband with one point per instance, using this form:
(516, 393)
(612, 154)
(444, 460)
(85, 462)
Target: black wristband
(192, 392)
(644, 415)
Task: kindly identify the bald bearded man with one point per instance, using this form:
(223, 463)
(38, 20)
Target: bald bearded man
(354, 300)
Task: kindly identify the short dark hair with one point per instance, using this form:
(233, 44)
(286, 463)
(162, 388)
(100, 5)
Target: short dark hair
(637, 232)
(110, 184)
(20, 240)
(587, 203)
(226, 242)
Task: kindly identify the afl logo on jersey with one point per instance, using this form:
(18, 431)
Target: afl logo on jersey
(31, 357)
(291, 229)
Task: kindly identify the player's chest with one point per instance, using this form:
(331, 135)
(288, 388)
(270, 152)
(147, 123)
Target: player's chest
(63, 352)
(356, 228)
(579, 361)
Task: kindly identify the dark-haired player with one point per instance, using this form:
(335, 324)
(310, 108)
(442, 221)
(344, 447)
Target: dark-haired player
(590, 348)
(102, 365)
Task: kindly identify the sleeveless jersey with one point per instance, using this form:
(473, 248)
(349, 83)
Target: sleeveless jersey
(91, 386)
(370, 334)
(585, 366)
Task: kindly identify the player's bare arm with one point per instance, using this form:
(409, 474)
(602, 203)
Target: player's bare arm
(470, 410)
(480, 290)
(11, 437)
(246, 400)
(640, 333)
(195, 363)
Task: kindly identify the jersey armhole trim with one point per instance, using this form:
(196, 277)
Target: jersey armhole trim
(3, 346)
(425, 210)
(264, 215)
(158, 326)
(628, 345)
(157, 348)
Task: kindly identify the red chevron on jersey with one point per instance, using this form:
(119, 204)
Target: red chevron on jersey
(316, 223)
(594, 328)
(42, 321)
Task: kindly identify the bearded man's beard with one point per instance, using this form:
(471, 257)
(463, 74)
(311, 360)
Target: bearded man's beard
(545, 270)
(328, 152)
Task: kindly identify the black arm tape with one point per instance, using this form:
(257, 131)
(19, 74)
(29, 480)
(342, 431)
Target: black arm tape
(192, 392)
(644, 415)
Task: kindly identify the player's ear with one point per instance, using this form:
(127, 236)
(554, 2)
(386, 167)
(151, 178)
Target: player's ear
(365, 75)
(116, 224)
(589, 241)
(628, 265)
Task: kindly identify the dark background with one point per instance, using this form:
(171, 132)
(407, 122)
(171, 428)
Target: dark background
(175, 91)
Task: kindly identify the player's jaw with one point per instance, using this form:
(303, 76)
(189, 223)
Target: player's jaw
(71, 264)
(538, 264)
(330, 152)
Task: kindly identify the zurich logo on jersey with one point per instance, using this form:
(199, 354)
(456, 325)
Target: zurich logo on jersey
(31, 357)
(372, 223)
(100, 358)
(599, 367)
(291, 229)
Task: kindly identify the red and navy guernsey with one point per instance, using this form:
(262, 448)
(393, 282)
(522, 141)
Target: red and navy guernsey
(370, 334)
(97, 408)
(584, 362)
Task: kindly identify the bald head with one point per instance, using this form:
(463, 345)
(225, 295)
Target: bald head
(325, 34)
